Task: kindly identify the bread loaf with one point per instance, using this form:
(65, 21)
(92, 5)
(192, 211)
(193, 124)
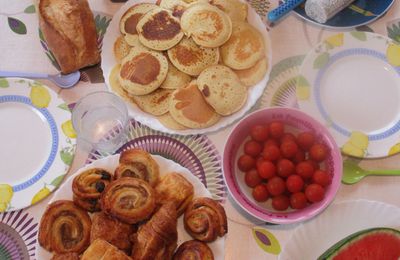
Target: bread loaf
(70, 32)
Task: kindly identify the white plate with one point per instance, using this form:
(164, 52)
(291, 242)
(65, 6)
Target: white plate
(313, 238)
(110, 163)
(351, 83)
(35, 152)
(108, 62)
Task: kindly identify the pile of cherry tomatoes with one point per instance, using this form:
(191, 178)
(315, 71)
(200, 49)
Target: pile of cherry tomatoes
(285, 167)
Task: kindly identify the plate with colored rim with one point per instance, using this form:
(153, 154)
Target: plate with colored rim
(37, 142)
(109, 163)
(313, 238)
(351, 83)
(359, 13)
(108, 62)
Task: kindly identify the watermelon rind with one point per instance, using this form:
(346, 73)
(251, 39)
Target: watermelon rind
(345, 242)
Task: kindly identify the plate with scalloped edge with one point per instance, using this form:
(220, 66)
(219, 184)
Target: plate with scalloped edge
(109, 163)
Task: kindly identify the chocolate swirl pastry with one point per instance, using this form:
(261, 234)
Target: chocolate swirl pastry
(157, 238)
(65, 228)
(205, 219)
(137, 163)
(88, 186)
(194, 250)
(128, 199)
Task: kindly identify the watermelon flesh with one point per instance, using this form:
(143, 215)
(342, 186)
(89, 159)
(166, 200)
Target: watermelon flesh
(370, 244)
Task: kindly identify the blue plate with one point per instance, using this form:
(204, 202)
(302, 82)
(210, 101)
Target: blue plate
(360, 12)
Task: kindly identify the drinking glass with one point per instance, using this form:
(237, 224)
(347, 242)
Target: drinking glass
(101, 119)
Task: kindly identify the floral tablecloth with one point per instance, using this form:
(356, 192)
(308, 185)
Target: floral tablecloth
(23, 49)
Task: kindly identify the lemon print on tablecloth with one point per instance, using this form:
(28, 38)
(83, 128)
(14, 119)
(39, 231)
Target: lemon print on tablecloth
(357, 144)
(335, 40)
(43, 193)
(394, 149)
(6, 193)
(302, 88)
(393, 54)
(40, 96)
(68, 129)
(266, 241)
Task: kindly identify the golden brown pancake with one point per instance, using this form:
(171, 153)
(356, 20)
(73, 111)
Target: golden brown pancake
(189, 108)
(245, 47)
(131, 17)
(159, 30)
(222, 89)
(191, 58)
(155, 103)
(169, 122)
(116, 86)
(121, 48)
(253, 75)
(206, 24)
(236, 10)
(142, 71)
(133, 41)
(175, 78)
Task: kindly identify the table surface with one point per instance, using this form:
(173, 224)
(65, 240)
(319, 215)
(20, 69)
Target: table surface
(291, 38)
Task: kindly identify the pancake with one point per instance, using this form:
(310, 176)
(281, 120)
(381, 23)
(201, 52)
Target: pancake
(206, 24)
(116, 86)
(169, 122)
(121, 48)
(189, 108)
(222, 89)
(245, 47)
(175, 78)
(129, 20)
(159, 30)
(236, 10)
(253, 75)
(155, 103)
(133, 41)
(142, 71)
(191, 58)
(177, 7)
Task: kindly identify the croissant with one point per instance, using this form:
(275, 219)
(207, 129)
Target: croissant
(157, 239)
(88, 186)
(111, 230)
(64, 228)
(66, 256)
(128, 199)
(194, 250)
(205, 219)
(102, 250)
(138, 164)
(174, 187)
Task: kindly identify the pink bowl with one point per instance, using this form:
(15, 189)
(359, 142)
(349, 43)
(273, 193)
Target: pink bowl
(295, 121)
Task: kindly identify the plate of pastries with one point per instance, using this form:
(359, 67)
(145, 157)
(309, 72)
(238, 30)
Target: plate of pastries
(187, 67)
(132, 205)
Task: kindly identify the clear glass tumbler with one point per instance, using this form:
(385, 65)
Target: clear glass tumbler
(101, 119)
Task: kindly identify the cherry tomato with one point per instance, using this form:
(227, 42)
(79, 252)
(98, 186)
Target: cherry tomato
(288, 149)
(271, 153)
(266, 169)
(252, 148)
(271, 142)
(318, 152)
(288, 137)
(252, 178)
(298, 200)
(294, 183)
(299, 156)
(321, 177)
(260, 193)
(314, 192)
(280, 202)
(276, 186)
(305, 140)
(259, 133)
(305, 169)
(246, 162)
(276, 129)
(285, 168)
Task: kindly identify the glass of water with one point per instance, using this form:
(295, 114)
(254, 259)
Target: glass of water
(101, 119)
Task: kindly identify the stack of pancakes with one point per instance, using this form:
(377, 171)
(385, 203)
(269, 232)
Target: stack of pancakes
(188, 63)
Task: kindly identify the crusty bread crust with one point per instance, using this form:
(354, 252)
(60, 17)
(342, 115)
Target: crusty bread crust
(70, 32)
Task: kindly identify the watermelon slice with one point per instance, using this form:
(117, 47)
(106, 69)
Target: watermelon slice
(370, 244)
